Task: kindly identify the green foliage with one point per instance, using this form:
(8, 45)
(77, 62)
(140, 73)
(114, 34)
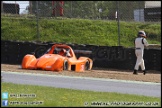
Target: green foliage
(77, 31)
(59, 97)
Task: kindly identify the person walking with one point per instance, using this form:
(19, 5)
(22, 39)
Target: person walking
(140, 43)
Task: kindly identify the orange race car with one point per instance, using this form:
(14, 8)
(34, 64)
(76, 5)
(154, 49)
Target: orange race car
(58, 58)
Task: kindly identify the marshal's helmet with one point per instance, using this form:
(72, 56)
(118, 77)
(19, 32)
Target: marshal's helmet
(142, 33)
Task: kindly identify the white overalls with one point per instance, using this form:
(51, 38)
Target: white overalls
(140, 42)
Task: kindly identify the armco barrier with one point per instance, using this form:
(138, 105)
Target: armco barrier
(117, 57)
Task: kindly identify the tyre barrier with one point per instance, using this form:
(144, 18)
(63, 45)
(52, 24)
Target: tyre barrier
(152, 59)
(130, 58)
(118, 57)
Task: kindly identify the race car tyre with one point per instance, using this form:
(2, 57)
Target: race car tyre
(87, 65)
(65, 65)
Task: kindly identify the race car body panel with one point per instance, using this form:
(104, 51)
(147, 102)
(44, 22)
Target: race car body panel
(55, 60)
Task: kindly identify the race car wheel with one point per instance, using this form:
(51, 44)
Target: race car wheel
(65, 65)
(87, 65)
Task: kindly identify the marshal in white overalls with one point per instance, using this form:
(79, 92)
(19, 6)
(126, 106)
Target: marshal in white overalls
(140, 43)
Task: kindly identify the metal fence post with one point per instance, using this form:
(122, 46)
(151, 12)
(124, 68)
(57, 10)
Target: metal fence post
(118, 23)
(37, 20)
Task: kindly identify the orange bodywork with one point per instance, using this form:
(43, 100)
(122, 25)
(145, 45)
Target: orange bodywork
(53, 60)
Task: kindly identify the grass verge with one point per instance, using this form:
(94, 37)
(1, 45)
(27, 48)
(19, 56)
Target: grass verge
(59, 97)
(77, 31)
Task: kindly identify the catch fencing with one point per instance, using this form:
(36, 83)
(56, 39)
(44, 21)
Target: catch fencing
(104, 10)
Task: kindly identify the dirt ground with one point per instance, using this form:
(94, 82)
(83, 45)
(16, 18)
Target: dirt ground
(151, 76)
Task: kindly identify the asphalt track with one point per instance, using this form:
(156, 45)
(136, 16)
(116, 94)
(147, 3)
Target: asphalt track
(84, 83)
